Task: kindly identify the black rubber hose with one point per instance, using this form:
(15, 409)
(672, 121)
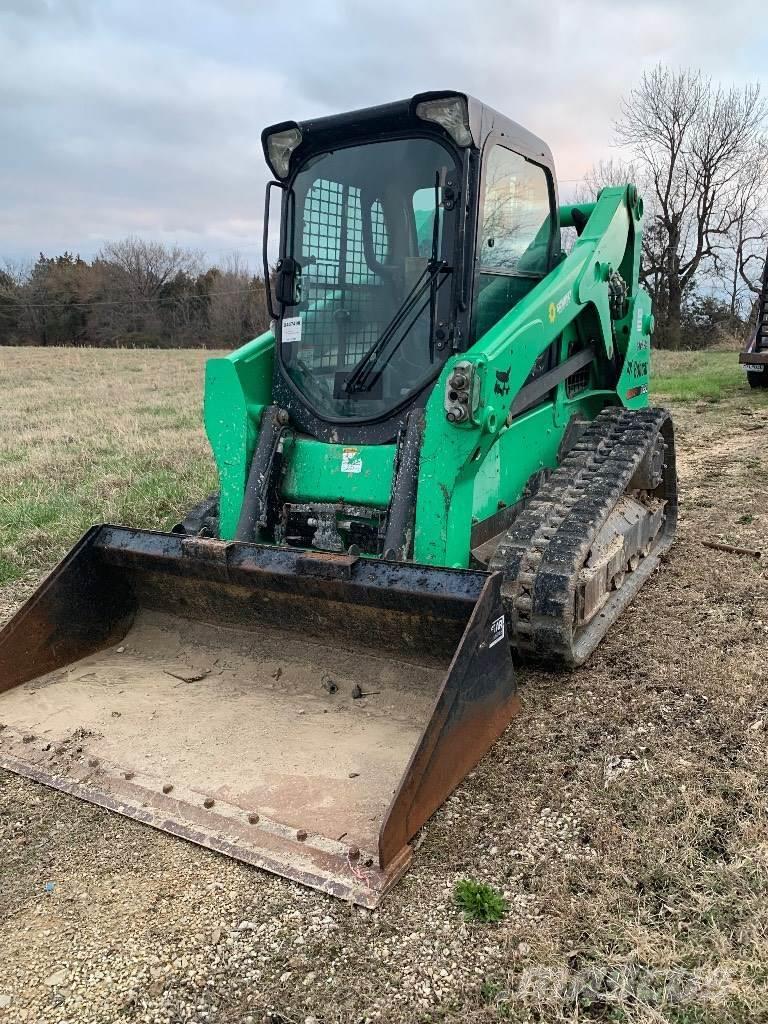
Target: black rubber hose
(398, 538)
(254, 508)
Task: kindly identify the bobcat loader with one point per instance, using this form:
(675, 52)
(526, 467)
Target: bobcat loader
(439, 455)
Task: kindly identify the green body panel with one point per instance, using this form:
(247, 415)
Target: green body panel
(520, 451)
(635, 375)
(354, 474)
(530, 444)
(468, 470)
(237, 387)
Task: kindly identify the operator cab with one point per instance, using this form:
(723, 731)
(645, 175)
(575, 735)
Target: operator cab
(407, 231)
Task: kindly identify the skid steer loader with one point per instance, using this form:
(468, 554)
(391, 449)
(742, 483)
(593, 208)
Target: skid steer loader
(439, 454)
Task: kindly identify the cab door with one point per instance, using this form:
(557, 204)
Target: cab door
(516, 234)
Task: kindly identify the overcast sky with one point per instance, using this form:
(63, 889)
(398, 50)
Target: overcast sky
(126, 117)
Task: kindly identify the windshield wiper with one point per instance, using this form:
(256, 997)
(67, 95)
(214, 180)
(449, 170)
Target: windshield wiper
(362, 377)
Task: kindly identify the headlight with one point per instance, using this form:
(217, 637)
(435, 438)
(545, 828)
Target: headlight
(280, 145)
(450, 112)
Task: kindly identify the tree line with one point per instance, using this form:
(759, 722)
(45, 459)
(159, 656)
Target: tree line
(134, 293)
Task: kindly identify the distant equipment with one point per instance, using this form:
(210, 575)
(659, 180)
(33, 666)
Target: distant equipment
(754, 358)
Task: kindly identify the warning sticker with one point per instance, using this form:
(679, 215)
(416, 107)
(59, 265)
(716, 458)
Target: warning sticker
(497, 630)
(351, 460)
(291, 329)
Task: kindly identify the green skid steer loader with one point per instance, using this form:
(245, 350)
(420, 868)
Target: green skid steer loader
(439, 455)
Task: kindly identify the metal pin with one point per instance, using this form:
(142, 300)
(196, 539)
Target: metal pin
(301, 835)
(167, 787)
(253, 819)
(208, 802)
(358, 692)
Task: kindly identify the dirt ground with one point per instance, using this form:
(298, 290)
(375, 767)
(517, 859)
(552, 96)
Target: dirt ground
(623, 815)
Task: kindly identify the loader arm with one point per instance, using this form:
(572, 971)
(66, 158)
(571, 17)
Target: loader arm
(572, 302)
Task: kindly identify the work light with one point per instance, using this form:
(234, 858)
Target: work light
(280, 145)
(451, 113)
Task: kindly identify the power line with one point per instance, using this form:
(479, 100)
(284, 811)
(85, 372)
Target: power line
(21, 256)
(136, 301)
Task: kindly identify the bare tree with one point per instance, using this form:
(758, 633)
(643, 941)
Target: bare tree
(139, 286)
(18, 272)
(238, 307)
(690, 142)
(148, 266)
(751, 229)
(744, 256)
(611, 173)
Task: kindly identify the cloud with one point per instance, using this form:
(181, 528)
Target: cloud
(143, 117)
(48, 10)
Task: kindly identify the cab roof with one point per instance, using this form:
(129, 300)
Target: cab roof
(323, 132)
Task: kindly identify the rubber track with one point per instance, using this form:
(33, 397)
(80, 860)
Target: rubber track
(546, 547)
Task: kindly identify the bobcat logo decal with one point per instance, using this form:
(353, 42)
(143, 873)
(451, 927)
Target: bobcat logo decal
(501, 387)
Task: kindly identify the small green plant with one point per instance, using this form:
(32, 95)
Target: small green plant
(745, 519)
(480, 902)
(489, 990)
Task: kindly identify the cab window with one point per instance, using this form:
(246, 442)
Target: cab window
(514, 244)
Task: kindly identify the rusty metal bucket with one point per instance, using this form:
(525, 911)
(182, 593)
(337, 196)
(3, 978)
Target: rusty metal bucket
(302, 712)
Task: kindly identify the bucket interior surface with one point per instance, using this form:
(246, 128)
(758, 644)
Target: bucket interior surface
(263, 720)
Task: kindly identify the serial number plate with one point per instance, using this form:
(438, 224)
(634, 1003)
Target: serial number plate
(754, 367)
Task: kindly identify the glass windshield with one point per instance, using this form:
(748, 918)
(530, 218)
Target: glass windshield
(364, 225)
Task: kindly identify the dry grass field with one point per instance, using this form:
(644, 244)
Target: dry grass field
(95, 436)
(624, 815)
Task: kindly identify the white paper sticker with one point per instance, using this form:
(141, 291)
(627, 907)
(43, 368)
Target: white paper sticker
(351, 460)
(497, 630)
(291, 330)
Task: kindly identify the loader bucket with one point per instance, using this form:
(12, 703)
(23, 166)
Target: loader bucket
(300, 711)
